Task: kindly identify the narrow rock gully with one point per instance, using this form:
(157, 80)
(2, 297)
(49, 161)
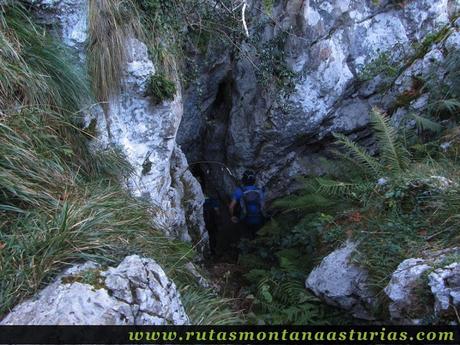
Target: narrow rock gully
(206, 151)
(205, 138)
(225, 235)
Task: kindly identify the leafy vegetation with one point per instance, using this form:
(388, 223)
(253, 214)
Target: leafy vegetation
(396, 202)
(272, 66)
(161, 88)
(268, 6)
(175, 26)
(445, 93)
(277, 264)
(400, 3)
(383, 65)
(59, 201)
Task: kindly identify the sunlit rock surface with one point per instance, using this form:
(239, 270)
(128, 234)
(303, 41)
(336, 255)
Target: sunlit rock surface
(425, 287)
(145, 132)
(343, 284)
(137, 292)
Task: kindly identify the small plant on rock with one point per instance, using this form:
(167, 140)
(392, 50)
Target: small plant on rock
(160, 88)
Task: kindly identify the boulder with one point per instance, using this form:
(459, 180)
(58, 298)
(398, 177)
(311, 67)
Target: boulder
(425, 287)
(137, 292)
(340, 283)
(403, 290)
(445, 287)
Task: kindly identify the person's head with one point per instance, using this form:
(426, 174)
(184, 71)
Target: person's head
(249, 178)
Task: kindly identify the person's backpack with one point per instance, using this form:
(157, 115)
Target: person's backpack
(251, 203)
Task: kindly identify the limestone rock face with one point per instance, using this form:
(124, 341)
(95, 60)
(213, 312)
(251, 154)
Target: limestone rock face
(424, 287)
(340, 283)
(402, 289)
(340, 51)
(144, 131)
(137, 292)
(445, 287)
(420, 288)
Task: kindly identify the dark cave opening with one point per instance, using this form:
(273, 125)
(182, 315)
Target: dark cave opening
(217, 181)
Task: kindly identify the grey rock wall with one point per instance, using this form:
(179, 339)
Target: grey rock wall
(328, 45)
(145, 132)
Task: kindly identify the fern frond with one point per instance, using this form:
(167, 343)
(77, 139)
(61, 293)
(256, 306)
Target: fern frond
(425, 124)
(347, 161)
(394, 156)
(449, 105)
(359, 156)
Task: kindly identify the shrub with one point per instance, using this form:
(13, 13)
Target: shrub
(272, 67)
(160, 88)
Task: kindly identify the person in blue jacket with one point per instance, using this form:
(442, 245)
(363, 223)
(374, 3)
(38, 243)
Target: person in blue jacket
(250, 198)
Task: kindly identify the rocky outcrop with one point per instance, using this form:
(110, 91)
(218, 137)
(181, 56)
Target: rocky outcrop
(445, 287)
(342, 284)
(137, 292)
(402, 290)
(425, 287)
(419, 289)
(348, 56)
(144, 131)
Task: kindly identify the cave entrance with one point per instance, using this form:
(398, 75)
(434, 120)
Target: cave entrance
(224, 235)
(216, 179)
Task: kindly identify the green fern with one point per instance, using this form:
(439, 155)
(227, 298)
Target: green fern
(285, 300)
(426, 124)
(306, 201)
(449, 105)
(340, 188)
(392, 153)
(359, 156)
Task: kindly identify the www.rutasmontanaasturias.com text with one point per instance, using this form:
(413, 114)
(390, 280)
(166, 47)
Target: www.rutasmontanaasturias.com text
(290, 336)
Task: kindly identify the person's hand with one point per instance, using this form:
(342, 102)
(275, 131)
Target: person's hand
(235, 219)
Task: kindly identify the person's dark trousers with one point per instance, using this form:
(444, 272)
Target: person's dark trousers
(212, 239)
(211, 219)
(250, 230)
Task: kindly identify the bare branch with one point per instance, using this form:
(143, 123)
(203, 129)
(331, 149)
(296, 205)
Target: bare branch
(243, 17)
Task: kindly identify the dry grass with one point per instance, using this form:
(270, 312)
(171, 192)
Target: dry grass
(111, 24)
(59, 202)
(34, 69)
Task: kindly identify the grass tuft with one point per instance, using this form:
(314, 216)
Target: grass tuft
(35, 69)
(111, 24)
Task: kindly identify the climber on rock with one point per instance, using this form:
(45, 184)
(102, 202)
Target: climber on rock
(250, 198)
